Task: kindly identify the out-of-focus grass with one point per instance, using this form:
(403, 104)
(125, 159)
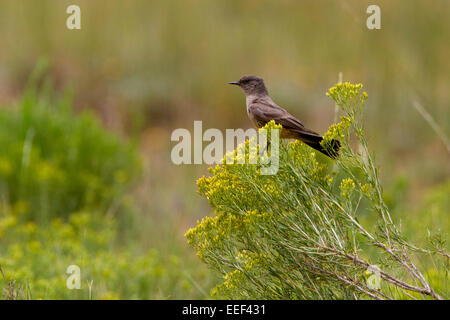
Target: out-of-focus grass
(147, 67)
(147, 64)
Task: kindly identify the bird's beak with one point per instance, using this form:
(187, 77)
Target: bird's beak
(234, 82)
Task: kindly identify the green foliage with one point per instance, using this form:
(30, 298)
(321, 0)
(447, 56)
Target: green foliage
(430, 224)
(34, 260)
(296, 234)
(53, 163)
(65, 200)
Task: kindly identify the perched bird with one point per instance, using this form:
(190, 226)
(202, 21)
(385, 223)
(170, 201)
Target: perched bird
(261, 109)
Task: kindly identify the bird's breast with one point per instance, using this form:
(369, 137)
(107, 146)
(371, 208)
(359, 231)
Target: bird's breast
(253, 120)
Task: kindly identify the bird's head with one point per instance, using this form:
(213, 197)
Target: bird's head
(252, 85)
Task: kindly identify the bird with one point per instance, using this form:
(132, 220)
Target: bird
(261, 109)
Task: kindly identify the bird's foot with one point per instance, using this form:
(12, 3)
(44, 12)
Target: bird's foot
(266, 148)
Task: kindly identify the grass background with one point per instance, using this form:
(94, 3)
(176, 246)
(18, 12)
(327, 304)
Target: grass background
(145, 68)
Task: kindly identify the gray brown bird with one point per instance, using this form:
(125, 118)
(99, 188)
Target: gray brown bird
(261, 109)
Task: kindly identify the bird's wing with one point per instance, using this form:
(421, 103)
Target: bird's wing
(263, 112)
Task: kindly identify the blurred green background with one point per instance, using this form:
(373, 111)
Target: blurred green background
(139, 70)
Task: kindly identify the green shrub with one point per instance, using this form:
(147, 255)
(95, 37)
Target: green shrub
(296, 234)
(53, 163)
(34, 260)
(65, 200)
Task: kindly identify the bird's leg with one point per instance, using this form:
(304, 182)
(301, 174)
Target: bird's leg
(266, 148)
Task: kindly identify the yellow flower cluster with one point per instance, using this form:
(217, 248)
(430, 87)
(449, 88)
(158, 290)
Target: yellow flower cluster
(250, 260)
(367, 190)
(37, 256)
(346, 96)
(347, 186)
(302, 155)
(231, 282)
(337, 130)
(345, 90)
(248, 151)
(250, 263)
(212, 232)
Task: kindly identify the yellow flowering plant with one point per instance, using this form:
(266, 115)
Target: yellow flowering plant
(297, 235)
(34, 261)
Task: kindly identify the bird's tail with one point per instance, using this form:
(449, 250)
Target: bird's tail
(331, 151)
